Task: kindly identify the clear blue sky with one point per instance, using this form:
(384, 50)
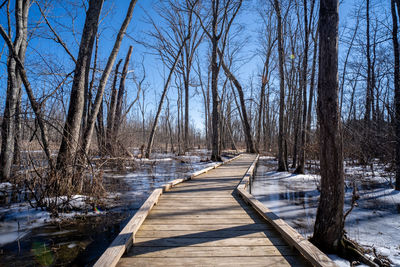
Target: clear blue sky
(44, 52)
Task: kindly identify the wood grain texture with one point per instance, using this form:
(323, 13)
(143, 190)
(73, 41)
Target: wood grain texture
(203, 222)
(125, 238)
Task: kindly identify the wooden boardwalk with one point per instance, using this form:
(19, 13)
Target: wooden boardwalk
(203, 222)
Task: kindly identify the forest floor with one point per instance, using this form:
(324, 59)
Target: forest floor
(373, 223)
(78, 237)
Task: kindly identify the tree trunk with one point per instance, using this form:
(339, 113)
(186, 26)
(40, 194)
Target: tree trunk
(72, 125)
(216, 149)
(396, 88)
(10, 119)
(300, 168)
(246, 125)
(171, 72)
(121, 93)
(329, 223)
(111, 113)
(368, 93)
(281, 157)
(87, 136)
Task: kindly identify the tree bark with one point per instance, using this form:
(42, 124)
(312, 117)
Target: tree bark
(111, 113)
(87, 136)
(329, 223)
(282, 166)
(9, 126)
(250, 148)
(300, 168)
(121, 93)
(155, 123)
(396, 87)
(69, 143)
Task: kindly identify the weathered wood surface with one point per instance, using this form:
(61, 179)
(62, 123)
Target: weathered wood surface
(203, 222)
(124, 240)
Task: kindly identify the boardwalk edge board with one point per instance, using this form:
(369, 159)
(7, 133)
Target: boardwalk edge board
(310, 252)
(124, 240)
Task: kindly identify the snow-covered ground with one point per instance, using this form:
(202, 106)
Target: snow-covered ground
(374, 223)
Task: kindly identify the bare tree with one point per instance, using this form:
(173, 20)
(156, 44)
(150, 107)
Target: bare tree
(87, 136)
(396, 85)
(222, 16)
(281, 159)
(307, 29)
(70, 139)
(329, 223)
(246, 125)
(14, 83)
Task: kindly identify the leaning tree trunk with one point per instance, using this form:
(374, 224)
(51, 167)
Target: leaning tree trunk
(329, 223)
(121, 93)
(69, 143)
(154, 128)
(14, 82)
(111, 113)
(250, 148)
(87, 136)
(281, 155)
(396, 88)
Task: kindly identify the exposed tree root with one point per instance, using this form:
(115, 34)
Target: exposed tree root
(353, 252)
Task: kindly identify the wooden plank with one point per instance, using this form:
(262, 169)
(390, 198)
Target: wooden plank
(209, 234)
(201, 221)
(164, 212)
(196, 216)
(204, 227)
(196, 209)
(124, 240)
(207, 242)
(276, 261)
(239, 251)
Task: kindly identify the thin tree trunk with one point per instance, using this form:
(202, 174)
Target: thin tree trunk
(282, 166)
(312, 84)
(171, 72)
(329, 223)
(300, 168)
(396, 88)
(121, 93)
(111, 113)
(250, 148)
(368, 93)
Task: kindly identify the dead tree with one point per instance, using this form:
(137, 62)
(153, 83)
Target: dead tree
(328, 228)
